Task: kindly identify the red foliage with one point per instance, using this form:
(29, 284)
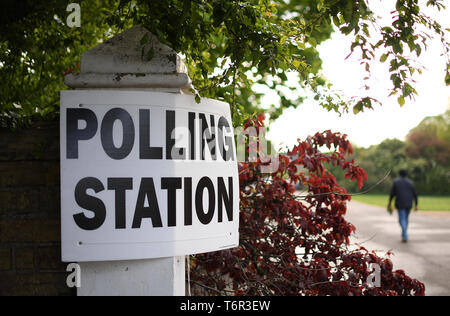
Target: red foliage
(297, 245)
(423, 144)
(75, 68)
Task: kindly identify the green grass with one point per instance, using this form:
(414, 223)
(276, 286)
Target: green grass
(426, 203)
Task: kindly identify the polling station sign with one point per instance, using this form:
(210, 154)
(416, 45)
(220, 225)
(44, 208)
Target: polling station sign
(146, 175)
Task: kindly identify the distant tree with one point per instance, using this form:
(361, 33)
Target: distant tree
(430, 140)
(429, 147)
(377, 161)
(425, 154)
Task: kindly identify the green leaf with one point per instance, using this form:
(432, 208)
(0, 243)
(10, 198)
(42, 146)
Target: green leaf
(144, 39)
(151, 54)
(296, 63)
(301, 45)
(401, 101)
(312, 41)
(320, 4)
(336, 21)
(357, 109)
(383, 58)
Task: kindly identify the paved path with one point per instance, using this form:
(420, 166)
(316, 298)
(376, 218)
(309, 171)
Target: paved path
(427, 255)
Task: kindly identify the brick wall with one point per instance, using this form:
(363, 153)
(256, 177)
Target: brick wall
(30, 255)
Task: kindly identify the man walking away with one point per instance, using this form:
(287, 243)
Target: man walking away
(404, 192)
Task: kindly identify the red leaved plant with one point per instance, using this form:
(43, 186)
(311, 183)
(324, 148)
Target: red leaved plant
(293, 244)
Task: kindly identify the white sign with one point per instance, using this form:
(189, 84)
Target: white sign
(146, 175)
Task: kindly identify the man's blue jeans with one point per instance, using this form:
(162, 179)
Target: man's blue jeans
(403, 218)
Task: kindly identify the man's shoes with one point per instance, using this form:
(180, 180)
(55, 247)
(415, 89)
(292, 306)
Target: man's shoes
(405, 241)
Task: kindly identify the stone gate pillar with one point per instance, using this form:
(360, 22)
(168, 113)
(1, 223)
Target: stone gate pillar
(133, 60)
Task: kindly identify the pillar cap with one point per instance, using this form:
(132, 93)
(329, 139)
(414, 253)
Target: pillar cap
(132, 59)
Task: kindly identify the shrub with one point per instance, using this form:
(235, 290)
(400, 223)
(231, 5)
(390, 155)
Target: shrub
(293, 244)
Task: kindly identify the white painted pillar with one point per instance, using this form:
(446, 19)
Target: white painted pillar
(165, 276)
(132, 60)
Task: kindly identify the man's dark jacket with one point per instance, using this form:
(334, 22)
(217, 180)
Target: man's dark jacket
(404, 192)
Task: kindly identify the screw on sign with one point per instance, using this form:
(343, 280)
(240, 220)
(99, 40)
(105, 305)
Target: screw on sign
(146, 175)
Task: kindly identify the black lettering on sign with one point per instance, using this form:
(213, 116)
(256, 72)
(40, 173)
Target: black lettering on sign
(192, 135)
(178, 153)
(227, 154)
(147, 203)
(146, 151)
(207, 135)
(120, 185)
(89, 203)
(107, 133)
(147, 191)
(171, 185)
(205, 183)
(215, 138)
(187, 201)
(225, 198)
(74, 134)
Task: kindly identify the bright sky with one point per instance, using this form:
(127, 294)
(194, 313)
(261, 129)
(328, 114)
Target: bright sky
(372, 126)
